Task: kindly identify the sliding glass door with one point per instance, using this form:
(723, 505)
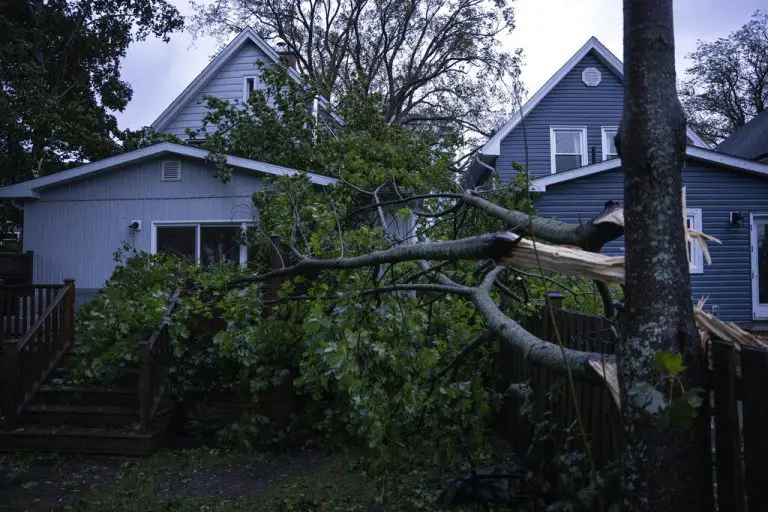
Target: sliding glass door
(206, 244)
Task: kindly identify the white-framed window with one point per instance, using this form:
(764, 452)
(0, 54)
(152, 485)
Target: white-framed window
(695, 256)
(609, 142)
(250, 84)
(204, 242)
(568, 147)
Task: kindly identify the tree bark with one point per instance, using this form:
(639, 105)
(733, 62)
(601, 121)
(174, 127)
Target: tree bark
(661, 469)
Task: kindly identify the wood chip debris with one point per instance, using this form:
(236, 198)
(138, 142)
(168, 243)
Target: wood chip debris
(710, 326)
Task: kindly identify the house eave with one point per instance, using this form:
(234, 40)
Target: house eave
(493, 146)
(30, 189)
(691, 151)
(18, 195)
(213, 67)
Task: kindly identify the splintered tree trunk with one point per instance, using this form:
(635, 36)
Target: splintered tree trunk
(661, 469)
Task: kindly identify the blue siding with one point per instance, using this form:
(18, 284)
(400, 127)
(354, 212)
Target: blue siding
(570, 102)
(717, 191)
(74, 229)
(227, 84)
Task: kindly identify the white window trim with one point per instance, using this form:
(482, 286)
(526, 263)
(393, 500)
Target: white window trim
(558, 128)
(257, 85)
(197, 224)
(696, 263)
(245, 85)
(605, 130)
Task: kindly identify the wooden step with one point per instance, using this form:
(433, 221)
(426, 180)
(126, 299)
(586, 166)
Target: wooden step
(59, 376)
(79, 415)
(70, 395)
(124, 441)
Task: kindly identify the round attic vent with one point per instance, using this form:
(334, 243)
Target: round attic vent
(591, 77)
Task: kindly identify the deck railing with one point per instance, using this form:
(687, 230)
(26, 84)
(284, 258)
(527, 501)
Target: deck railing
(154, 362)
(43, 329)
(21, 305)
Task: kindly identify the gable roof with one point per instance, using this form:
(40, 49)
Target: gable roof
(750, 141)
(31, 189)
(247, 35)
(706, 155)
(493, 146)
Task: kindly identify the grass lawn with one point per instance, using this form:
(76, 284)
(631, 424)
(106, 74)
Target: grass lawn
(196, 480)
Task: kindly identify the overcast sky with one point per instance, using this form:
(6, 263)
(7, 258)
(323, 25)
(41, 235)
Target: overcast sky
(548, 31)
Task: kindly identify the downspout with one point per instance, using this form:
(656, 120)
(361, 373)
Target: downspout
(478, 160)
(315, 113)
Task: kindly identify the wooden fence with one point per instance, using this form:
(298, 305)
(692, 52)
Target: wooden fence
(738, 392)
(551, 397)
(737, 407)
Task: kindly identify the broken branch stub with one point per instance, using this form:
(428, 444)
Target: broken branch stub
(513, 250)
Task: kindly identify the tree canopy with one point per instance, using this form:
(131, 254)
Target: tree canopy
(60, 70)
(431, 61)
(727, 82)
(60, 76)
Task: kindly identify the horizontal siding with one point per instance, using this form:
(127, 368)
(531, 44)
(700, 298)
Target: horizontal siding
(75, 229)
(227, 84)
(570, 102)
(717, 191)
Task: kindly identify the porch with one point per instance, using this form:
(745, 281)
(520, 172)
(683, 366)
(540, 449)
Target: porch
(38, 412)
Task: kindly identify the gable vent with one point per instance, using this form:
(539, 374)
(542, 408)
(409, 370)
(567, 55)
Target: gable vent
(171, 170)
(591, 77)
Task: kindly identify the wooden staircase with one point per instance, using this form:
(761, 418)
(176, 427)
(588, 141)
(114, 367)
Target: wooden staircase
(40, 412)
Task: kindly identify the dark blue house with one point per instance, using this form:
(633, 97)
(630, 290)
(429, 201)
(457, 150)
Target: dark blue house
(564, 136)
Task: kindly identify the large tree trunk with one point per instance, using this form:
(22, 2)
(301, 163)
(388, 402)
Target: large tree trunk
(661, 469)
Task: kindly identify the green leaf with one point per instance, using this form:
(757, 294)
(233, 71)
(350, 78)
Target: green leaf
(683, 410)
(646, 397)
(403, 214)
(669, 362)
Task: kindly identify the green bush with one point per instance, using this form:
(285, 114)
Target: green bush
(212, 328)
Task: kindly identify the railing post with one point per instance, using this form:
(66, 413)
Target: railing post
(30, 266)
(2, 310)
(553, 304)
(69, 311)
(145, 386)
(10, 381)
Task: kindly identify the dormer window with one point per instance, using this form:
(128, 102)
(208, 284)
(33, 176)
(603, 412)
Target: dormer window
(250, 84)
(568, 147)
(609, 142)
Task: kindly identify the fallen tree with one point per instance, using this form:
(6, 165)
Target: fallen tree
(660, 468)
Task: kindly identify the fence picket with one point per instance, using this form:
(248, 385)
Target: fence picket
(754, 373)
(736, 401)
(727, 434)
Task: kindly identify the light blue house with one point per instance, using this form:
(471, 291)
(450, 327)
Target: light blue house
(564, 136)
(160, 198)
(163, 198)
